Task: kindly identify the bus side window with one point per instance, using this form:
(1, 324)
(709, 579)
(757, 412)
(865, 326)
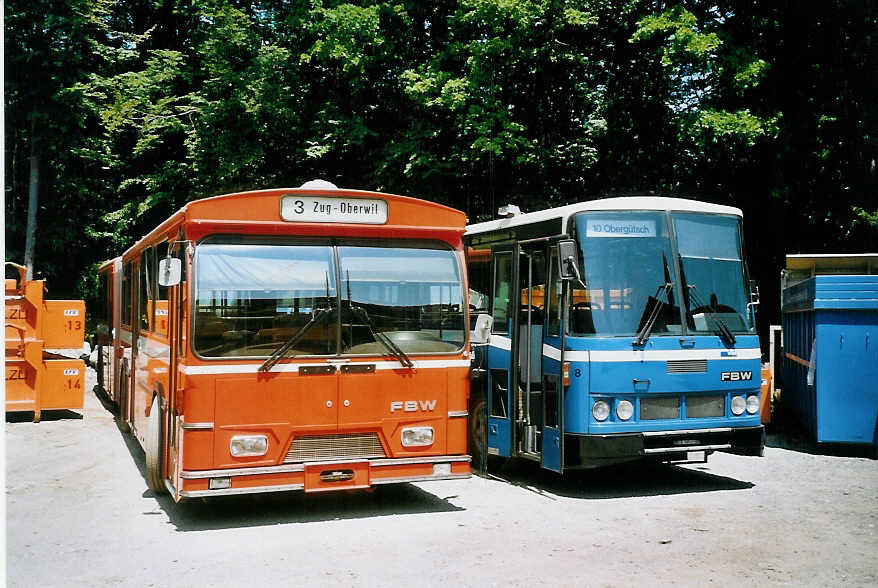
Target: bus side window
(553, 305)
(126, 318)
(502, 299)
(145, 290)
(479, 271)
(160, 304)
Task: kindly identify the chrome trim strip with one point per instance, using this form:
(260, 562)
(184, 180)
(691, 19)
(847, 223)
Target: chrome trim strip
(453, 414)
(282, 469)
(197, 426)
(686, 432)
(377, 463)
(687, 448)
(420, 479)
(300, 467)
(228, 491)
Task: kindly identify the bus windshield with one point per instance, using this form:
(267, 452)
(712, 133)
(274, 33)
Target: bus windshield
(253, 297)
(627, 266)
(632, 274)
(714, 281)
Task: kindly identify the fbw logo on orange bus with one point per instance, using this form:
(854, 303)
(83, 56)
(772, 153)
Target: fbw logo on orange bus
(736, 376)
(412, 405)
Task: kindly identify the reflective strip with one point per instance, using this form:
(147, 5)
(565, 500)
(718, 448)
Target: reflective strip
(457, 413)
(252, 368)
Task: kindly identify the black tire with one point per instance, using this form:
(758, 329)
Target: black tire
(153, 449)
(123, 400)
(478, 435)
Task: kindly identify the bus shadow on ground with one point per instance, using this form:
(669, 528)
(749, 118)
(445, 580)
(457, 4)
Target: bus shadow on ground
(46, 415)
(629, 480)
(278, 508)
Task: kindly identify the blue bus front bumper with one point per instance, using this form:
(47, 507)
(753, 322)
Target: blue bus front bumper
(589, 451)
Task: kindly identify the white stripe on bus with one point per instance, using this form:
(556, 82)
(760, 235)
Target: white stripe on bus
(252, 368)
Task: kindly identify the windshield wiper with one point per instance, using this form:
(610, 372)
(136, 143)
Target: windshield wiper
(668, 287)
(689, 295)
(318, 315)
(720, 327)
(643, 335)
(381, 337)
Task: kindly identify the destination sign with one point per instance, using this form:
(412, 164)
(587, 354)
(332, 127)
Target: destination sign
(314, 209)
(620, 228)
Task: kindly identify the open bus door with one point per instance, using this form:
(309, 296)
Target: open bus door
(500, 355)
(552, 454)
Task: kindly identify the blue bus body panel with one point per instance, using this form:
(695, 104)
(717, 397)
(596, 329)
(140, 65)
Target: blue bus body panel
(499, 429)
(830, 327)
(612, 370)
(552, 437)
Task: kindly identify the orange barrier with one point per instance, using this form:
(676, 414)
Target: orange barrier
(37, 379)
(765, 407)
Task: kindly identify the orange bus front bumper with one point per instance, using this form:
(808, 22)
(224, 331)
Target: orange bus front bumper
(323, 476)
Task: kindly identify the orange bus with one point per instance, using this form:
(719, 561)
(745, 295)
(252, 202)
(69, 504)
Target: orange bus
(294, 339)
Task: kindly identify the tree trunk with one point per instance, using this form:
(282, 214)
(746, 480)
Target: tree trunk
(33, 185)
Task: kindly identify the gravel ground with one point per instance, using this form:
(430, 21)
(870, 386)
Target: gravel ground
(79, 514)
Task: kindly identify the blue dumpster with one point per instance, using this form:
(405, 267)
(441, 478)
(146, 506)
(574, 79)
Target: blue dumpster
(830, 332)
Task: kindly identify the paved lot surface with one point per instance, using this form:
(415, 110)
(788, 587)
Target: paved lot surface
(79, 514)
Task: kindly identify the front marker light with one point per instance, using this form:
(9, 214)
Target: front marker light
(248, 445)
(752, 404)
(624, 410)
(738, 405)
(417, 437)
(600, 411)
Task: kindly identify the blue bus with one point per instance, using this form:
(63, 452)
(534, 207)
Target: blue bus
(613, 330)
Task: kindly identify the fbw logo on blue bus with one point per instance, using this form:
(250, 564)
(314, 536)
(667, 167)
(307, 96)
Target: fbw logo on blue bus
(736, 376)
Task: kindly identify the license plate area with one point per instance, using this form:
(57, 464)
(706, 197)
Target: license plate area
(348, 475)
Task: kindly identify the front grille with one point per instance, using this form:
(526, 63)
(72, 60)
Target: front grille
(687, 366)
(659, 408)
(334, 447)
(705, 406)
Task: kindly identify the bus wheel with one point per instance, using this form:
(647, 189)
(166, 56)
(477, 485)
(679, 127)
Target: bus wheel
(153, 449)
(123, 400)
(478, 435)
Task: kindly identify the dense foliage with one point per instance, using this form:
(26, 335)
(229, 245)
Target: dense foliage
(135, 107)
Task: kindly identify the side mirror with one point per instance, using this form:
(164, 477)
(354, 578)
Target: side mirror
(482, 331)
(170, 271)
(568, 260)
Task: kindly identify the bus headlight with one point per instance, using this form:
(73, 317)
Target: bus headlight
(248, 445)
(417, 437)
(752, 404)
(624, 410)
(738, 405)
(600, 411)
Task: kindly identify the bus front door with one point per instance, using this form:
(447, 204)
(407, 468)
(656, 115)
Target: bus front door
(552, 405)
(500, 356)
